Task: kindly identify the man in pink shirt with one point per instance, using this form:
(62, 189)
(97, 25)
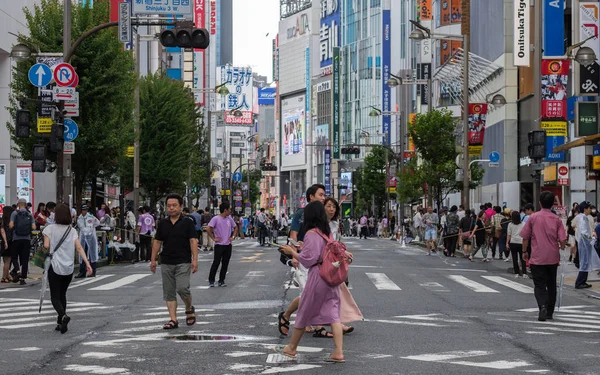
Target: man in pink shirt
(222, 229)
(548, 236)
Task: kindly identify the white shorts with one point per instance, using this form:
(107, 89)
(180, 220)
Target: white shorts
(300, 276)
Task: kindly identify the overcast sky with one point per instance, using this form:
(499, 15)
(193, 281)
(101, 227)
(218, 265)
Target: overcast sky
(252, 21)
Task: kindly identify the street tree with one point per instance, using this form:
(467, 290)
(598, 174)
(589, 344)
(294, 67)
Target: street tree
(105, 88)
(371, 180)
(169, 134)
(433, 134)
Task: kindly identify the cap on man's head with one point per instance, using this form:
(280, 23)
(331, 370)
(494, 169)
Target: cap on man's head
(583, 205)
(84, 207)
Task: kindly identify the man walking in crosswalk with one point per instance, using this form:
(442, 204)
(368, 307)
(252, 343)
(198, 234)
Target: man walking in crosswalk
(222, 229)
(179, 258)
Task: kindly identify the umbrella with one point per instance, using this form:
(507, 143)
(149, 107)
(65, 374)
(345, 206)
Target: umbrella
(560, 285)
(44, 282)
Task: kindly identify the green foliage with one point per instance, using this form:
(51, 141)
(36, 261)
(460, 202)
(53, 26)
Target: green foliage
(106, 83)
(201, 166)
(168, 135)
(435, 142)
(371, 180)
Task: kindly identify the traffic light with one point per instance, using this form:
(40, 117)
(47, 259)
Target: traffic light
(213, 191)
(184, 35)
(268, 167)
(57, 139)
(537, 145)
(353, 150)
(22, 124)
(38, 158)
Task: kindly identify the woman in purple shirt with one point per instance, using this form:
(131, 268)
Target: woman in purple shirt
(320, 303)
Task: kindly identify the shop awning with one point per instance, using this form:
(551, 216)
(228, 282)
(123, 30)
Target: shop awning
(585, 141)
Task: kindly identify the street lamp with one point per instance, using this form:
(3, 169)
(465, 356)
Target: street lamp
(20, 52)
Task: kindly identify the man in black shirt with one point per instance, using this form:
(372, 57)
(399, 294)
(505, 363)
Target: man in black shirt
(178, 258)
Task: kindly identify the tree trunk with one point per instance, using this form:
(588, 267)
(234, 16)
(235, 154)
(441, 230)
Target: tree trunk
(93, 179)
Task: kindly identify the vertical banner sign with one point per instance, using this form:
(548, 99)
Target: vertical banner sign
(424, 72)
(426, 16)
(589, 26)
(425, 13)
(554, 33)
(307, 99)
(24, 183)
(445, 50)
(336, 102)
(125, 28)
(555, 77)
(586, 119)
(199, 62)
(445, 11)
(327, 167)
(329, 34)
(596, 158)
(240, 97)
(521, 13)
(386, 57)
(456, 11)
(477, 120)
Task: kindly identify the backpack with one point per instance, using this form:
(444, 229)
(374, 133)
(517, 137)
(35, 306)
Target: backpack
(23, 223)
(333, 268)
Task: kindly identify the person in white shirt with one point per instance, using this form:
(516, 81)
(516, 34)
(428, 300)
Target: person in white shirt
(418, 224)
(514, 241)
(87, 223)
(461, 212)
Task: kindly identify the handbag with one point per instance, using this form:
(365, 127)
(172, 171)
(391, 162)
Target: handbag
(333, 267)
(39, 258)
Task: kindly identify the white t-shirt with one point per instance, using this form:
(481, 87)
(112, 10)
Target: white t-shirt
(514, 231)
(63, 257)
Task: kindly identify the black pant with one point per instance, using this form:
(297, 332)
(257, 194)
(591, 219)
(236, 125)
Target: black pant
(494, 243)
(451, 242)
(363, 232)
(20, 255)
(517, 256)
(222, 256)
(582, 278)
(262, 234)
(146, 247)
(58, 291)
(544, 281)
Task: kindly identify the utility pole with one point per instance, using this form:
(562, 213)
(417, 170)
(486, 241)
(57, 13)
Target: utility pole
(64, 161)
(136, 129)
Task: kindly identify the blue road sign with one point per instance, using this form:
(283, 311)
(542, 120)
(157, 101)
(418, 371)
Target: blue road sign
(71, 130)
(40, 75)
(238, 203)
(494, 156)
(237, 177)
(248, 204)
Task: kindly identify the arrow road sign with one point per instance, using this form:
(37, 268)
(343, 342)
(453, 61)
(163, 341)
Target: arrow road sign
(71, 130)
(237, 177)
(64, 74)
(72, 106)
(40, 75)
(64, 93)
(494, 156)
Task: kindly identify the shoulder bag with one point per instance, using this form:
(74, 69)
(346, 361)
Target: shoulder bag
(39, 258)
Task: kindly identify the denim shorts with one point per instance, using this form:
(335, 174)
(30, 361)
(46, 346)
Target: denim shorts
(430, 234)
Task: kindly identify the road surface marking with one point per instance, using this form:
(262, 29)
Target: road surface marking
(89, 281)
(99, 355)
(510, 284)
(99, 370)
(122, 282)
(39, 324)
(250, 278)
(243, 354)
(473, 285)
(554, 323)
(47, 312)
(382, 282)
(27, 349)
(498, 365)
(438, 357)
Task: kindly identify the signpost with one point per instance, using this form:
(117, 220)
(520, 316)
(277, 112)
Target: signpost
(71, 130)
(45, 110)
(44, 125)
(494, 159)
(40, 75)
(125, 29)
(237, 177)
(64, 74)
(72, 106)
(64, 93)
(69, 148)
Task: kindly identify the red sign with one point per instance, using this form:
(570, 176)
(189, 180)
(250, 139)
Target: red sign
(213, 17)
(563, 174)
(245, 119)
(555, 77)
(64, 75)
(477, 120)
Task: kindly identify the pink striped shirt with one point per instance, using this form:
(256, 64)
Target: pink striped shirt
(545, 230)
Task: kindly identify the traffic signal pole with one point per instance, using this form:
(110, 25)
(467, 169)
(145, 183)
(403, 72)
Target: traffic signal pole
(63, 172)
(136, 129)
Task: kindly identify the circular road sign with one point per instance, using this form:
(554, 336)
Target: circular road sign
(248, 204)
(76, 81)
(40, 75)
(71, 130)
(238, 203)
(237, 177)
(238, 192)
(64, 74)
(494, 156)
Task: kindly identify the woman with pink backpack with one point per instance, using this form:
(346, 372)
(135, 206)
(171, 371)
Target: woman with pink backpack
(320, 302)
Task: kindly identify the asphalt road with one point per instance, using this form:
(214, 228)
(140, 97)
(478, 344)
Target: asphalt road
(423, 315)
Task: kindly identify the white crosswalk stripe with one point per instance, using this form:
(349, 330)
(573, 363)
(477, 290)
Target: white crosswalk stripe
(382, 282)
(510, 284)
(473, 285)
(121, 282)
(569, 320)
(458, 358)
(88, 281)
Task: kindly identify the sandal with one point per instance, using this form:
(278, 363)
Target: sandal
(322, 332)
(171, 324)
(285, 324)
(333, 360)
(348, 330)
(190, 321)
(4, 280)
(280, 349)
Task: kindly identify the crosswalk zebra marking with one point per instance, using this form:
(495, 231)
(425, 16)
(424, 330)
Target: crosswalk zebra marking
(99, 355)
(88, 281)
(100, 370)
(473, 285)
(69, 311)
(452, 357)
(510, 284)
(121, 282)
(382, 282)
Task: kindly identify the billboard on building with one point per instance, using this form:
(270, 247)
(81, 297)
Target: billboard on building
(589, 26)
(555, 78)
(554, 32)
(239, 83)
(199, 62)
(320, 141)
(336, 103)
(266, 95)
(521, 40)
(456, 11)
(386, 95)
(425, 11)
(293, 130)
(445, 12)
(329, 34)
(294, 27)
(477, 121)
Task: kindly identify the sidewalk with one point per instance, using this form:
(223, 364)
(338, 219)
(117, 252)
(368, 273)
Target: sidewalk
(570, 271)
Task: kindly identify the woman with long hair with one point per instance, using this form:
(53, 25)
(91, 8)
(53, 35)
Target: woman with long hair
(4, 243)
(62, 241)
(40, 216)
(479, 234)
(515, 242)
(320, 303)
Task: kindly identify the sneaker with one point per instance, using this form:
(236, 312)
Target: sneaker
(211, 285)
(222, 285)
(507, 260)
(22, 282)
(517, 276)
(525, 276)
(64, 325)
(542, 316)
